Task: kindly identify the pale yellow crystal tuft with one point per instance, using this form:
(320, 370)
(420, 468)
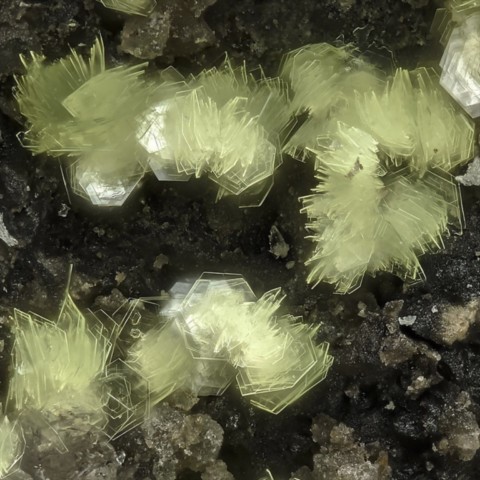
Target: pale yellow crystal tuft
(11, 447)
(59, 365)
(415, 124)
(131, 7)
(324, 80)
(364, 219)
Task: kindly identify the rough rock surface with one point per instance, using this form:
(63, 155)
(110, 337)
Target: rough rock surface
(66, 448)
(176, 27)
(341, 457)
(460, 430)
(181, 442)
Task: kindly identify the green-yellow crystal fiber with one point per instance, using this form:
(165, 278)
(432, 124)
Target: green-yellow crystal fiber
(162, 363)
(364, 218)
(225, 124)
(383, 152)
(43, 88)
(11, 447)
(77, 106)
(59, 365)
(415, 123)
(275, 355)
(463, 7)
(218, 332)
(324, 80)
(410, 116)
(131, 7)
(250, 339)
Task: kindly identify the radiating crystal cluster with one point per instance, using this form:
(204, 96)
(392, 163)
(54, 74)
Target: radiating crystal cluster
(59, 365)
(383, 151)
(224, 124)
(101, 373)
(64, 368)
(364, 218)
(460, 67)
(321, 77)
(414, 123)
(79, 108)
(218, 331)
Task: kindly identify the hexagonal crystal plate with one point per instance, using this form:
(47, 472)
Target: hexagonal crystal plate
(102, 188)
(459, 64)
(208, 282)
(151, 137)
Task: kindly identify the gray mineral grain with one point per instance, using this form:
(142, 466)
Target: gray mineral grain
(181, 441)
(461, 433)
(67, 448)
(342, 457)
(173, 28)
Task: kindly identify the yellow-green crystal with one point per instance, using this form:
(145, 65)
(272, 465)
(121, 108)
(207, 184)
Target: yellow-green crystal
(364, 219)
(324, 80)
(131, 7)
(59, 365)
(415, 123)
(11, 448)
